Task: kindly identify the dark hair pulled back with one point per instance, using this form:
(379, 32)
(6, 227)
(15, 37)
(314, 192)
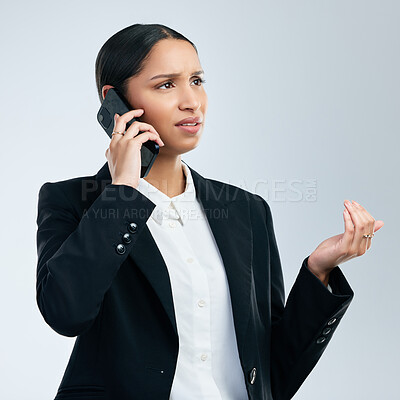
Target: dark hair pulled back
(122, 56)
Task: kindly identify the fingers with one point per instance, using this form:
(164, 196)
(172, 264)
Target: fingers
(117, 128)
(135, 128)
(363, 224)
(145, 136)
(363, 229)
(120, 121)
(349, 229)
(359, 245)
(370, 222)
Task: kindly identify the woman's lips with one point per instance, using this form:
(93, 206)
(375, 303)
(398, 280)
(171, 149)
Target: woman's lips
(189, 128)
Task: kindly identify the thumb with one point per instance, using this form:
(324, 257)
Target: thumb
(378, 225)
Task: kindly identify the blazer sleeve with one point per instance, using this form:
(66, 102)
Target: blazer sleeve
(77, 257)
(303, 327)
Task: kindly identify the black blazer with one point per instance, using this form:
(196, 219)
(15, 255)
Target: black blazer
(101, 277)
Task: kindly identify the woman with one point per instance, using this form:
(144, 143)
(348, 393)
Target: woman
(172, 283)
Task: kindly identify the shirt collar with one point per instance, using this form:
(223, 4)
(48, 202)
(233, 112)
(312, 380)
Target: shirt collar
(179, 207)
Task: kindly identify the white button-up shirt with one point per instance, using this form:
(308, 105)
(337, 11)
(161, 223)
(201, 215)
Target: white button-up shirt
(208, 365)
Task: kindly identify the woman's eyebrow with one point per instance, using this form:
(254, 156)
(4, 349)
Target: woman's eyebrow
(175, 75)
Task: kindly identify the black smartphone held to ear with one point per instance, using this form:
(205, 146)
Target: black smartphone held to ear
(113, 103)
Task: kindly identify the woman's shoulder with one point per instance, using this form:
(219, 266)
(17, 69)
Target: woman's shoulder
(71, 184)
(76, 192)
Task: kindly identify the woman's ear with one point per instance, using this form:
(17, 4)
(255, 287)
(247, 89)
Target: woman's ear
(104, 90)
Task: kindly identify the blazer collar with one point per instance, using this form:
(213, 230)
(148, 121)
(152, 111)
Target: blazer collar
(227, 210)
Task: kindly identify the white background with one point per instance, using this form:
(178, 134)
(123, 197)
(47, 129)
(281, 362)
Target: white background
(298, 90)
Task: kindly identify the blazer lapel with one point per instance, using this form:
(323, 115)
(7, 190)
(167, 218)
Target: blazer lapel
(227, 211)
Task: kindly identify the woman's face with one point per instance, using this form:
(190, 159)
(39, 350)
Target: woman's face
(168, 100)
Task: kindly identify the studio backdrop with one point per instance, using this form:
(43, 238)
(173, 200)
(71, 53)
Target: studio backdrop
(303, 111)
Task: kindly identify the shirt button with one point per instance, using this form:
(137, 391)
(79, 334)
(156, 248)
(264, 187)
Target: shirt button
(204, 357)
(331, 321)
(201, 303)
(172, 224)
(189, 260)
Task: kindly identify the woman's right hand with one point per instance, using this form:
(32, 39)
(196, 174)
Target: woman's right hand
(123, 154)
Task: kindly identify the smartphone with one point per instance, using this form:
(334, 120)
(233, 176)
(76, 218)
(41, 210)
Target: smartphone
(113, 103)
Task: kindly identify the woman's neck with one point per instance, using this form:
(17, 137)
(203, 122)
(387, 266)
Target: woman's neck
(166, 174)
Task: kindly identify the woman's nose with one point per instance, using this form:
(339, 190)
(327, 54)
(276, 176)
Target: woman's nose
(190, 99)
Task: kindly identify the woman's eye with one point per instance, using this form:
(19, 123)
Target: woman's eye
(166, 83)
(200, 80)
(170, 83)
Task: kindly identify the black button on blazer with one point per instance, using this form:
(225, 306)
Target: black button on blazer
(101, 278)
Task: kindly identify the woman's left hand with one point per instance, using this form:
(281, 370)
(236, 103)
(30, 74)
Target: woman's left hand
(341, 248)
